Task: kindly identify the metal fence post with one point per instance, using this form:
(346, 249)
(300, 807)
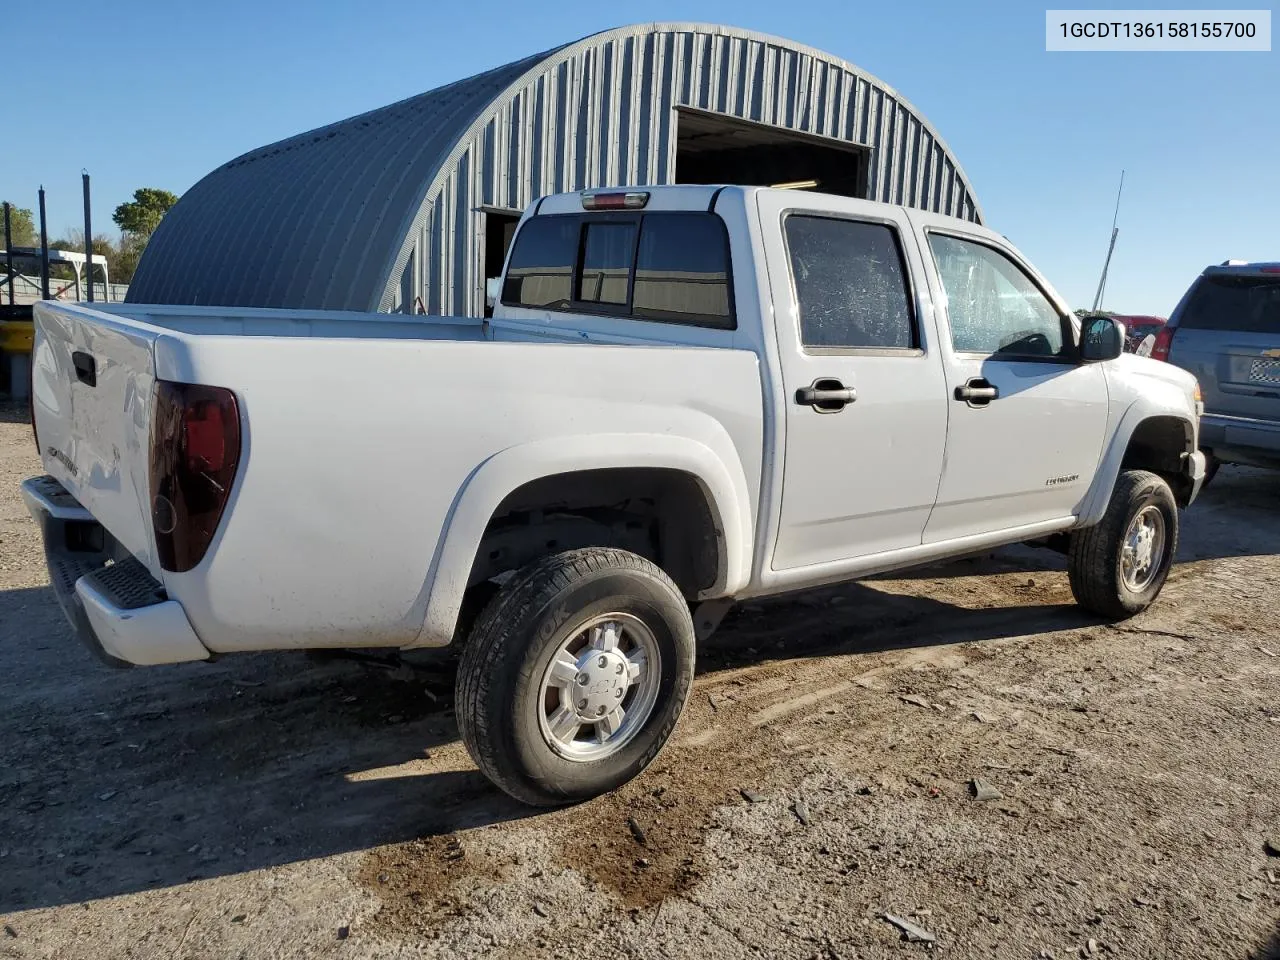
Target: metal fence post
(44, 252)
(88, 237)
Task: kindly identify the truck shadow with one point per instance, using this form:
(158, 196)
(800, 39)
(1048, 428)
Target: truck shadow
(115, 782)
(119, 781)
(1271, 949)
(1238, 515)
(14, 411)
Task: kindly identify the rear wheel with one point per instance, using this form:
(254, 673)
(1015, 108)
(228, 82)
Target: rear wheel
(1118, 566)
(575, 674)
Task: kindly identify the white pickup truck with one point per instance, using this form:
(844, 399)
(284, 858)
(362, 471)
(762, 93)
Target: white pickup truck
(685, 396)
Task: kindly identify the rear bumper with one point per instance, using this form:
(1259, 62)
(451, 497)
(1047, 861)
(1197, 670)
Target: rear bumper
(1241, 439)
(118, 610)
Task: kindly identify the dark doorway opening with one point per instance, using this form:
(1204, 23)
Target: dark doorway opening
(711, 148)
(499, 229)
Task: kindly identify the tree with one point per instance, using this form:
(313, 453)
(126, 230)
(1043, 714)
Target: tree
(22, 225)
(102, 244)
(73, 241)
(142, 214)
(127, 257)
(138, 219)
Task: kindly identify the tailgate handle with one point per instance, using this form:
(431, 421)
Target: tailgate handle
(86, 368)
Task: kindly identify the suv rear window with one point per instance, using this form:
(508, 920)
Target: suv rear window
(1238, 303)
(666, 266)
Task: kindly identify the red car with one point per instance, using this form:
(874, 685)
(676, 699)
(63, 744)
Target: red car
(1138, 328)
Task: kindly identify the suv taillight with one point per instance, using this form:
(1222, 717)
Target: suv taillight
(195, 450)
(1164, 340)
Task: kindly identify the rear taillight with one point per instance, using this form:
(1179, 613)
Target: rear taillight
(195, 450)
(1164, 340)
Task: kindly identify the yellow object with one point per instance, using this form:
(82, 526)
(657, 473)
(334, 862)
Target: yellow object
(17, 336)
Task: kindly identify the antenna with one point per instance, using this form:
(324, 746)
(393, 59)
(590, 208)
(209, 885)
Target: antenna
(1106, 265)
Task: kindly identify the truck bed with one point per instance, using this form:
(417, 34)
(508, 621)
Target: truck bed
(330, 324)
(361, 435)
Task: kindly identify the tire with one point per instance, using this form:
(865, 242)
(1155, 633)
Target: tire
(505, 713)
(1095, 561)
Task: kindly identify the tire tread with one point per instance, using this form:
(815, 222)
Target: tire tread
(1093, 560)
(496, 639)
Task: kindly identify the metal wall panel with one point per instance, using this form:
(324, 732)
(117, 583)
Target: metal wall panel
(710, 68)
(331, 218)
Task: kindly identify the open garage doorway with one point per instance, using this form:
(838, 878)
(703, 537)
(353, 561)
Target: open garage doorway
(712, 148)
(499, 229)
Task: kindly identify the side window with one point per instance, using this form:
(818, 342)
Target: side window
(850, 284)
(541, 269)
(607, 252)
(993, 307)
(682, 270)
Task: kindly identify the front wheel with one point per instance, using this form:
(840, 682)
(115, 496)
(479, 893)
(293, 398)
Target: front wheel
(1118, 566)
(574, 675)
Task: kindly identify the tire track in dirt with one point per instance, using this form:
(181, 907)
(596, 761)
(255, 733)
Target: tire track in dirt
(722, 744)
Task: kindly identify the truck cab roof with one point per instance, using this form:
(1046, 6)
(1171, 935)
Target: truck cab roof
(686, 197)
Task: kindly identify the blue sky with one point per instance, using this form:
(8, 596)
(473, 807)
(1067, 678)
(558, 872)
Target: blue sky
(168, 90)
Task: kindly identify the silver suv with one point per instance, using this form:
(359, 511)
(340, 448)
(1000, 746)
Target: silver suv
(1226, 331)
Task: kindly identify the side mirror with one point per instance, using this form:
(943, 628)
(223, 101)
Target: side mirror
(1101, 338)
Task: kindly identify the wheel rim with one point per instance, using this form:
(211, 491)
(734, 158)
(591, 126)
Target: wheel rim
(600, 687)
(1142, 554)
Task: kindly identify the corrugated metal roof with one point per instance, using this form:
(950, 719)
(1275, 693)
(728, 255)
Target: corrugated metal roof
(312, 220)
(372, 211)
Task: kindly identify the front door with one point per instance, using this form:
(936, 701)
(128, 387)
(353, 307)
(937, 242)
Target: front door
(1027, 419)
(866, 407)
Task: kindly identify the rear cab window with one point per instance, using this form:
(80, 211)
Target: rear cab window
(669, 267)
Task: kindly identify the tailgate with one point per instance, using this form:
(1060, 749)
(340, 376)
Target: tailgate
(91, 386)
(1238, 372)
(1228, 335)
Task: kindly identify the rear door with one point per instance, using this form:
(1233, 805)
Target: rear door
(92, 378)
(1026, 419)
(1228, 336)
(866, 409)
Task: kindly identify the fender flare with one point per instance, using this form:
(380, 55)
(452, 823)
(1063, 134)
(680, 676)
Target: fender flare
(1094, 504)
(489, 484)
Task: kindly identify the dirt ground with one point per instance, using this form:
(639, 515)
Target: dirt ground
(272, 806)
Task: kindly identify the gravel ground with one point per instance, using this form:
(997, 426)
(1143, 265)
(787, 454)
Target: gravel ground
(273, 806)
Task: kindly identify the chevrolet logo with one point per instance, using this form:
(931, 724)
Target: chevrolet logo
(1271, 353)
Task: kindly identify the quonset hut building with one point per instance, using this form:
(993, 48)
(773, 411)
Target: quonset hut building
(411, 207)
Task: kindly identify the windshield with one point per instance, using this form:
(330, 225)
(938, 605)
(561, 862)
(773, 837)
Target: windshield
(1239, 303)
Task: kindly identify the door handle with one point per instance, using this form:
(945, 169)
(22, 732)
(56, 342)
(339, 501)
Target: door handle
(826, 395)
(977, 392)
